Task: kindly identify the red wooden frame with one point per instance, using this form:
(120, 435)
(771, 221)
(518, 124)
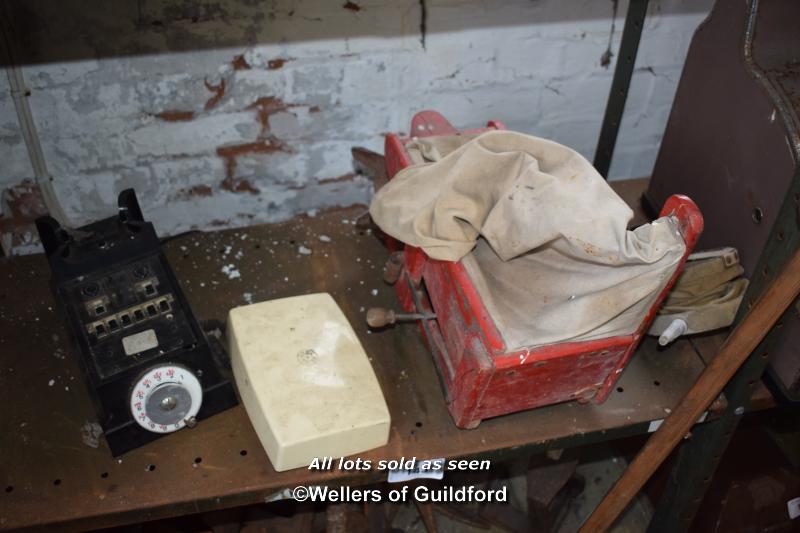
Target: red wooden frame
(480, 378)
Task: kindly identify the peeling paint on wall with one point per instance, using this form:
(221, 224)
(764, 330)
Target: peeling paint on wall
(232, 112)
(274, 64)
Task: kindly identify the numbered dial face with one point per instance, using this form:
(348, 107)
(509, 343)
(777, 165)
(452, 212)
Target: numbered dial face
(165, 397)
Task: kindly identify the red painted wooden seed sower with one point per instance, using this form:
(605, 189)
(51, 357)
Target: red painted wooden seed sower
(480, 377)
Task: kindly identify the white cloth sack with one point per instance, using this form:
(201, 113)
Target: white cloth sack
(555, 262)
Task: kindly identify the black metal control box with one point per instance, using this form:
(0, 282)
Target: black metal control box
(148, 366)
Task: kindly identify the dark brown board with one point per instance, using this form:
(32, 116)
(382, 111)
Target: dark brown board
(40, 425)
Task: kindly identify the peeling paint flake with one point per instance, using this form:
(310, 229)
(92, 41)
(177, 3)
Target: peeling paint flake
(231, 271)
(90, 434)
(266, 106)
(266, 143)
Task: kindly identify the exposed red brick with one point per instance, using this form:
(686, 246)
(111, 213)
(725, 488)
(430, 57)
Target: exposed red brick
(352, 6)
(174, 115)
(265, 144)
(199, 191)
(238, 185)
(338, 179)
(274, 64)
(264, 107)
(240, 63)
(22, 205)
(269, 104)
(217, 90)
(230, 154)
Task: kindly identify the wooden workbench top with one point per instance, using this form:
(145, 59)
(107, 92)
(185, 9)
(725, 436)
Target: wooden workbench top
(51, 474)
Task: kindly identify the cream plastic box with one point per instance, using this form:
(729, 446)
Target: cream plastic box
(305, 380)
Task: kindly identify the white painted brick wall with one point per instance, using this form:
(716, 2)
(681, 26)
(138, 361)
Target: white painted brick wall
(349, 77)
(16, 164)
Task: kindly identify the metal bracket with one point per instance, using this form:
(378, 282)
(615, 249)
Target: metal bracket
(631, 35)
(438, 351)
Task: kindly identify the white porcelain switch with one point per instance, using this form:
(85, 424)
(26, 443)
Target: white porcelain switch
(305, 380)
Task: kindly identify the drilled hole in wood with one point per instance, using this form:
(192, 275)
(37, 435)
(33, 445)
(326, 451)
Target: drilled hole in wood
(198, 460)
(418, 424)
(243, 453)
(56, 482)
(104, 475)
(620, 389)
(10, 488)
(657, 383)
(150, 468)
(757, 215)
